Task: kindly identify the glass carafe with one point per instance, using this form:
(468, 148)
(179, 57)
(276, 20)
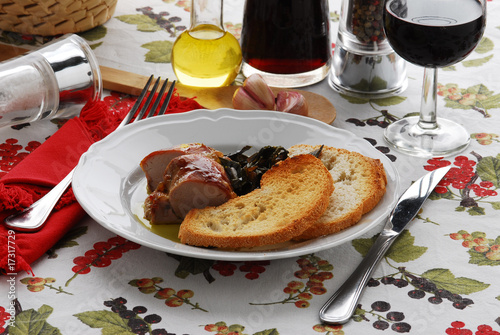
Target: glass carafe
(206, 55)
(287, 42)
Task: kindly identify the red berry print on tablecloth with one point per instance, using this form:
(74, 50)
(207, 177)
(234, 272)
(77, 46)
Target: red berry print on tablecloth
(252, 269)
(11, 154)
(314, 271)
(224, 268)
(172, 297)
(4, 319)
(101, 255)
(469, 182)
(37, 284)
(458, 328)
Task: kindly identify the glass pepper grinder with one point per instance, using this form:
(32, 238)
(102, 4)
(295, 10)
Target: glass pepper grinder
(206, 55)
(364, 64)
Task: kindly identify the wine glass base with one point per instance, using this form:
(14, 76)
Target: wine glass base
(408, 137)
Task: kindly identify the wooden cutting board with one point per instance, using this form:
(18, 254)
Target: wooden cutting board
(320, 108)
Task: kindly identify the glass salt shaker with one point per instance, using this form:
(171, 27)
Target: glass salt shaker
(364, 63)
(206, 55)
(55, 81)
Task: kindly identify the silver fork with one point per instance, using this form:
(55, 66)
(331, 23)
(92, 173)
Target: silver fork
(32, 218)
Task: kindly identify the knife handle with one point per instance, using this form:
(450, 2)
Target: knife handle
(341, 306)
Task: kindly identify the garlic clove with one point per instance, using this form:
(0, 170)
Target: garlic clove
(242, 100)
(254, 94)
(292, 102)
(257, 87)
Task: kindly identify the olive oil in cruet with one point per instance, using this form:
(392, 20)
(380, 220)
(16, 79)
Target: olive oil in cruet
(206, 55)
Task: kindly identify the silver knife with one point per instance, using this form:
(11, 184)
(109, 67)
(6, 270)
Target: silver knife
(341, 306)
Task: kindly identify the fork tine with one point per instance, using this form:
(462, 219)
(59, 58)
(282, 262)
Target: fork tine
(158, 99)
(148, 101)
(167, 99)
(138, 102)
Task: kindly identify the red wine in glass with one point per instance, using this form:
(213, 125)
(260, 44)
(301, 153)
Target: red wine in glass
(432, 34)
(436, 40)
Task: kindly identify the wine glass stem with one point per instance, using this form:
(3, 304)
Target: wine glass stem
(429, 103)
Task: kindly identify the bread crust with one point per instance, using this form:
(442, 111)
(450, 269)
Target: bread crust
(360, 184)
(293, 195)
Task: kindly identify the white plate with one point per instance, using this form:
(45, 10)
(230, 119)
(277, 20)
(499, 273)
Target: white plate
(111, 187)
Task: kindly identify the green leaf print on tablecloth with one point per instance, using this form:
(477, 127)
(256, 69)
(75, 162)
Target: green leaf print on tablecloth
(389, 101)
(444, 279)
(194, 266)
(109, 322)
(143, 22)
(488, 169)
(150, 21)
(441, 284)
(159, 51)
(477, 62)
(485, 45)
(478, 98)
(94, 34)
(33, 322)
(402, 250)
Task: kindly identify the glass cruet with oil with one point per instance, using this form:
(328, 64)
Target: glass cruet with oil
(206, 55)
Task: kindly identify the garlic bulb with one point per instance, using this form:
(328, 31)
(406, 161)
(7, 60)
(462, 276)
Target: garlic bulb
(256, 94)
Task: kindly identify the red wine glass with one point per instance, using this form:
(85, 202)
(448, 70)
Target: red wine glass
(432, 34)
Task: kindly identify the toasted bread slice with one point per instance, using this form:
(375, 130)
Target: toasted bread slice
(293, 195)
(360, 182)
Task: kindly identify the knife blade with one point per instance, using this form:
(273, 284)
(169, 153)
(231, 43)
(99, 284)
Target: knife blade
(341, 306)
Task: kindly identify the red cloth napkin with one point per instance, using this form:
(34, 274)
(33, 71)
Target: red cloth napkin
(44, 168)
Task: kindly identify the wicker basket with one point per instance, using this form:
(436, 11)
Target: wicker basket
(54, 17)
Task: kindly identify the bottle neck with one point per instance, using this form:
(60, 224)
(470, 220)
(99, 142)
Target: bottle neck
(206, 12)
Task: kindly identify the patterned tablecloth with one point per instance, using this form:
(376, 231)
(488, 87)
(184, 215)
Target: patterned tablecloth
(440, 277)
